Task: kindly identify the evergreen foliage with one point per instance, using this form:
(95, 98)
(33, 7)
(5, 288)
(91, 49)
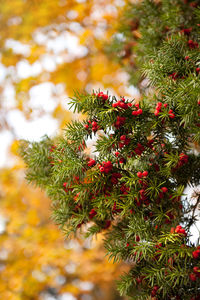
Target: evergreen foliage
(132, 187)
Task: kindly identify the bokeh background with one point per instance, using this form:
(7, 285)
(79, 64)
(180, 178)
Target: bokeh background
(49, 49)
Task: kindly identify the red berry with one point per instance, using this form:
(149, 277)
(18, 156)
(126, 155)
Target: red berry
(122, 138)
(140, 111)
(196, 254)
(193, 277)
(171, 115)
(115, 104)
(186, 30)
(196, 270)
(156, 112)
(137, 238)
(92, 213)
(164, 189)
(139, 280)
(139, 174)
(108, 163)
(123, 105)
(182, 231)
(192, 44)
(105, 97)
(117, 153)
(121, 145)
(137, 105)
(102, 169)
(145, 174)
(197, 70)
(135, 113)
(158, 105)
(94, 124)
(86, 126)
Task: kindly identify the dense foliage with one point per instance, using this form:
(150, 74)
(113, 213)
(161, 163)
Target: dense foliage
(132, 185)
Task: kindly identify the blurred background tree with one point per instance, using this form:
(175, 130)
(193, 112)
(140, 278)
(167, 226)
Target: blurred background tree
(35, 260)
(48, 49)
(54, 45)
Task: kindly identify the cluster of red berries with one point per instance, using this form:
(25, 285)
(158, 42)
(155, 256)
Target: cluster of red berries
(193, 44)
(101, 95)
(50, 157)
(159, 109)
(121, 104)
(195, 274)
(94, 125)
(124, 189)
(142, 198)
(67, 189)
(142, 174)
(154, 291)
(196, 253)
(179, 230)
(115, 178)
(115, 209)
(124, 141)
(174, 75)
(105, 167)
(137, 112)
(183, 159)
(91, 162)
(139, 149)
(186, 31)
(150, 143)
(52, 148)
(119, 122)
(92, 213)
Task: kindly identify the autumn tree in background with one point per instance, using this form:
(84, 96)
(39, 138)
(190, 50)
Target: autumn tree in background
(36, 261)
(58, 43)
(134, 186)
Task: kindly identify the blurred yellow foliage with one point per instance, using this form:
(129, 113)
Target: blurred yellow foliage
(34, 254)
(59, 42)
